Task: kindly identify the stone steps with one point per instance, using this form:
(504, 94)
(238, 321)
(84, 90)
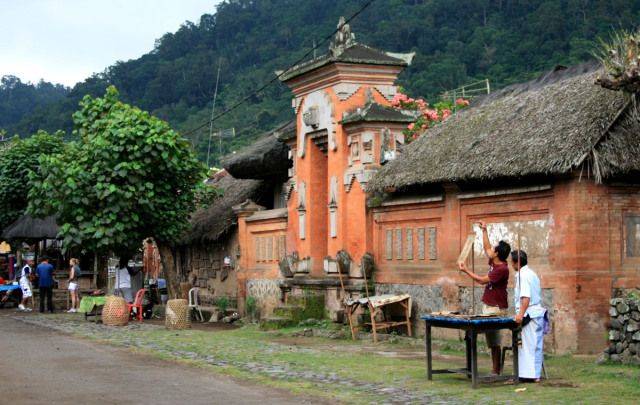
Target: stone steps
(275, 322)
(289, 311)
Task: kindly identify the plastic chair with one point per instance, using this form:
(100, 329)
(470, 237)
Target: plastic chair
(137, 304)
(193, 304)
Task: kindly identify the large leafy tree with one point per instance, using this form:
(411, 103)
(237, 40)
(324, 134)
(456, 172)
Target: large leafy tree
(128, 177)
(19, 158)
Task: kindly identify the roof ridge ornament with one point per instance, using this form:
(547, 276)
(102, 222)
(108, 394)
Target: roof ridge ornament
(343, 39)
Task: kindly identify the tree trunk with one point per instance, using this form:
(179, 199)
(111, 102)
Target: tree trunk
(168, 260)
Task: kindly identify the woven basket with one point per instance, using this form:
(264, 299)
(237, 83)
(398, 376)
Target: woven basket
(115, 311)
(177, 315)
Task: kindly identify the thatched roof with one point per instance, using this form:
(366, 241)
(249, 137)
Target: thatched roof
(213, 222)
(355, 54)
(374, 112)
(266, 158)
(550, 125)
(28, 227)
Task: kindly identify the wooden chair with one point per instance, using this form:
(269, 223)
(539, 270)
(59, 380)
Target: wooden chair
(194, 306)
(137, 304)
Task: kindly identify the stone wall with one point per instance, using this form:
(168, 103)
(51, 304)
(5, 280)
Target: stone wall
(267, 294)
(624, 331)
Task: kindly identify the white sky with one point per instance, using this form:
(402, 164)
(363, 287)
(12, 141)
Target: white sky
(65, 41)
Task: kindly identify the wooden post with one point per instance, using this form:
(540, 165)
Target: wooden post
(514, 351)
(407, 308)
(467, 346)
(473, 281)
(474, 358)
(372, 313)
(427, 339)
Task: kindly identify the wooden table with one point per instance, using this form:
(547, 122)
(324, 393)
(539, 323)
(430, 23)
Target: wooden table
(472, 325)
(377, 304)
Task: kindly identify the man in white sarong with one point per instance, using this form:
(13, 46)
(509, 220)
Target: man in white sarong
(530, 313)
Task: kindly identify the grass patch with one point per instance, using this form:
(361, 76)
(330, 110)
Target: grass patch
(572, 378)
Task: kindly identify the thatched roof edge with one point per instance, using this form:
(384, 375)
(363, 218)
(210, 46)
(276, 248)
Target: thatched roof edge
(548, 126)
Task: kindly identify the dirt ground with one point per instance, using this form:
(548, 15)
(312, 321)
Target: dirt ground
(41, 366)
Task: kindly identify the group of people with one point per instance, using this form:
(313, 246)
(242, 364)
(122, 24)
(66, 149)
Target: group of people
(529, 311)
(44, 273)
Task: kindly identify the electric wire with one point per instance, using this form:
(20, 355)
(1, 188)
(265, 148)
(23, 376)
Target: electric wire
(277, 77)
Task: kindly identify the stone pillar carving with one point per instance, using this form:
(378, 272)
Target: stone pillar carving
(333, 207)
(302, 210)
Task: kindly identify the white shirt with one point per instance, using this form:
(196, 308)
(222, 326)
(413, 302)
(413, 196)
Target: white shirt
(123, 279)
(24, 274)
(528, 285)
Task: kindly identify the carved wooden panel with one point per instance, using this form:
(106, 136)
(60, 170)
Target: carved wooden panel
(282, 247)
(433, 249)
(421, 244)
(409, 234)
(269, 255)
(388, 248)
(399, 244)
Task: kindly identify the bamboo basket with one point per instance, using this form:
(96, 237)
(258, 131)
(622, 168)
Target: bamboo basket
(115, 311)
(177, 315)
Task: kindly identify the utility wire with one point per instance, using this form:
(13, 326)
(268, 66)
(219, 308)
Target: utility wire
(213, 110)
(277, 77)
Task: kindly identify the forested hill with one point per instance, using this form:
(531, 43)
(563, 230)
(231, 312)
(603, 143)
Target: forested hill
(456, 42)
(18, 99)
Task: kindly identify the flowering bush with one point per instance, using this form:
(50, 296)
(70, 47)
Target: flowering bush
(429, 115)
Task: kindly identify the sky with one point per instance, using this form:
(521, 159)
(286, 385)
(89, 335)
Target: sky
(66, 41)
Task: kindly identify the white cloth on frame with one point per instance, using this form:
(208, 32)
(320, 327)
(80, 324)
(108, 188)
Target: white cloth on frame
(530, 354)
(123, 278)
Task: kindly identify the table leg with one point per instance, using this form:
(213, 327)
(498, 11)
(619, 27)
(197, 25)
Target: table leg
(374, 327)
(427, 338)
(467, 344)
(474, 359)
(514, 351)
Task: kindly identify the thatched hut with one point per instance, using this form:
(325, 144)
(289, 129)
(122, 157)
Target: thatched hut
(266, 158)
(30, 228)
(553, 125)
(551, 164)
(257, 174)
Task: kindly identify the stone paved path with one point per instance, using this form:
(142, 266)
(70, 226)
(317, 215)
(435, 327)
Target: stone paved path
(40, 366)
(386, 393)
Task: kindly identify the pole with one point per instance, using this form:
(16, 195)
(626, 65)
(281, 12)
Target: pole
(473, 282)
(213, 110)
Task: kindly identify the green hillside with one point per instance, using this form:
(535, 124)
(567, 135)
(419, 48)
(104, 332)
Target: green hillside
(456, 42)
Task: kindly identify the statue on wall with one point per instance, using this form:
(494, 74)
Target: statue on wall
(344, 261)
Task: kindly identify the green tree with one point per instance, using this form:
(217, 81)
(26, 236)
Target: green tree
(128, 177)
(19, 158)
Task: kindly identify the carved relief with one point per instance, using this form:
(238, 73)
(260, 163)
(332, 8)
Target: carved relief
(333, 207)
(311, 117)
(343, 39)
(399, 244)
(345, 90)
(433, 249)
(409, 234)
(367, 148)
(389, 245)
(421, 244)
(317, 115)
(302, 193)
